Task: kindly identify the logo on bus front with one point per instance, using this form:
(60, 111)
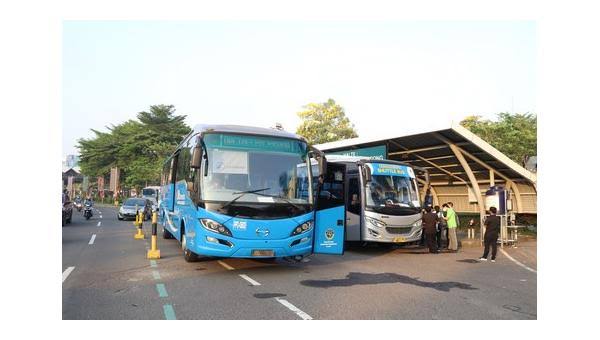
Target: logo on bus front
(329, 234)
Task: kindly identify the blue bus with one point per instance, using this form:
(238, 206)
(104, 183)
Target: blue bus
(237, 191)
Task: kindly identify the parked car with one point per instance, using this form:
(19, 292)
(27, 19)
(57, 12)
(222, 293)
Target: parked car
(128, 209)
(67, 212)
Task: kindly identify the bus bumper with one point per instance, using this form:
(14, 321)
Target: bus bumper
(380, 235)
(222, 246)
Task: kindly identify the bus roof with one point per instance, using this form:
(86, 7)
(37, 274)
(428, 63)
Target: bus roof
(249, 130)
(364, 159)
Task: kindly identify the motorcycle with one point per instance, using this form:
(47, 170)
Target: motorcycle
(78, 206)
(87, 212)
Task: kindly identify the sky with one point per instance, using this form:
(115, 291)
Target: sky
(387, 75)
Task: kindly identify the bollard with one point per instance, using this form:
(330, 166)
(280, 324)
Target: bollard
(140, 233)
(154, 252)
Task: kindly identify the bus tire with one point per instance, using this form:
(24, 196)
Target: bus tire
(188, 255)
(166, 234)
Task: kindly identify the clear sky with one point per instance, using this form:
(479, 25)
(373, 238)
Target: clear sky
(385, 74)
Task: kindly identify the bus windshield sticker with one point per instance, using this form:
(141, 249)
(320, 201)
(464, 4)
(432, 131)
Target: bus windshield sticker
(229, 162)
(263, 199)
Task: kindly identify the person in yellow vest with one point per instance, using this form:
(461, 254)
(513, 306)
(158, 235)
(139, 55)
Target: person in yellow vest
(451, 220)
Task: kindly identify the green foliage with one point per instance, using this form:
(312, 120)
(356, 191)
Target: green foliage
(325, 122)
(515, 135)
(138, 148)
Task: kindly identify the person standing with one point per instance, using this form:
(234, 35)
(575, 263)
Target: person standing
(452, 224)
(492, 228)
(441, 228)
(430, 220)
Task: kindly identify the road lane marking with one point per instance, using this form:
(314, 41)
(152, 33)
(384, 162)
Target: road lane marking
(249, 279)
(294, 309)
(162, 290)
(67, 272)
(153, 263)
(169, 312)
(517, 262)
(156, 275)
(92, 239)
(228, 267)
(99, 223)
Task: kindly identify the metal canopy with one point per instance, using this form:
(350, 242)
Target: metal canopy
(432, 150)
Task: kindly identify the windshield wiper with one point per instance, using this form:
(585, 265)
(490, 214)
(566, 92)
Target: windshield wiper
(242, 194)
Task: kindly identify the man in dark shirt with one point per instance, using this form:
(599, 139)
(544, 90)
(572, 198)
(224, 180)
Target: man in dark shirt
(492, 228)
(430, 220)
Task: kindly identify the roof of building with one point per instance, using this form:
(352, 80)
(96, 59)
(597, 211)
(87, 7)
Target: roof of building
(430, 148)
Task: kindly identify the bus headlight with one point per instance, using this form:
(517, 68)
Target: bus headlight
(375, 222)
(214, 226)
(304, 227)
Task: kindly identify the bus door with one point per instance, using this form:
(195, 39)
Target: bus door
(353, 207)
(330, 214)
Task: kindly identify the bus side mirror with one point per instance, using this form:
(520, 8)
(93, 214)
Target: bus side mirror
(322, 166)
(368, 176)
(196, 157)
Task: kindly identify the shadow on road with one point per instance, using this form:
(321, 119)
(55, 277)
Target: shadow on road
(468, 261)
(369, 279)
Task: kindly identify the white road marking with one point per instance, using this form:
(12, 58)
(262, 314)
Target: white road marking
(517, 262)
(294, 309)
(92, 239)
(67, 272)
(249, 279)
(156, 275)
(228, 267)
(99, 223)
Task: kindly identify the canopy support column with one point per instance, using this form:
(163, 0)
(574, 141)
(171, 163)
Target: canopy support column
(474, 184)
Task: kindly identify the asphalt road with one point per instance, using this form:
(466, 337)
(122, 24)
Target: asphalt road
(112, 279)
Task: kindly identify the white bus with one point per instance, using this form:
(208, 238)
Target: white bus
(381, 197)
(153, 194)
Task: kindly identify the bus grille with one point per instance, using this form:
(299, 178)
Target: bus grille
(398, 230)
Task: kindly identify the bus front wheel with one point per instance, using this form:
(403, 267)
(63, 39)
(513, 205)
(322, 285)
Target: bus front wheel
(188, 255)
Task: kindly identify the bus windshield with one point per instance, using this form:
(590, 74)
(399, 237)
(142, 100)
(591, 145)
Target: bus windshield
(392, 194)
(255, 170)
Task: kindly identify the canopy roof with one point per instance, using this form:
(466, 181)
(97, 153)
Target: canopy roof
(431, 149)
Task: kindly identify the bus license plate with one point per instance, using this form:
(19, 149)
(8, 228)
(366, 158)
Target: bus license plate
(257, 252)
(398, 239)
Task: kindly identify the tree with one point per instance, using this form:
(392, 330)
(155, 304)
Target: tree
(138, 148)
(325, 122)
(515, 135)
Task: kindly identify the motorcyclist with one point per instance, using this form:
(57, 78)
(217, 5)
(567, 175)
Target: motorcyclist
(88, 202)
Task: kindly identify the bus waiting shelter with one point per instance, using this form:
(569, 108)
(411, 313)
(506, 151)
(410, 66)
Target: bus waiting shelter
(461, 165)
